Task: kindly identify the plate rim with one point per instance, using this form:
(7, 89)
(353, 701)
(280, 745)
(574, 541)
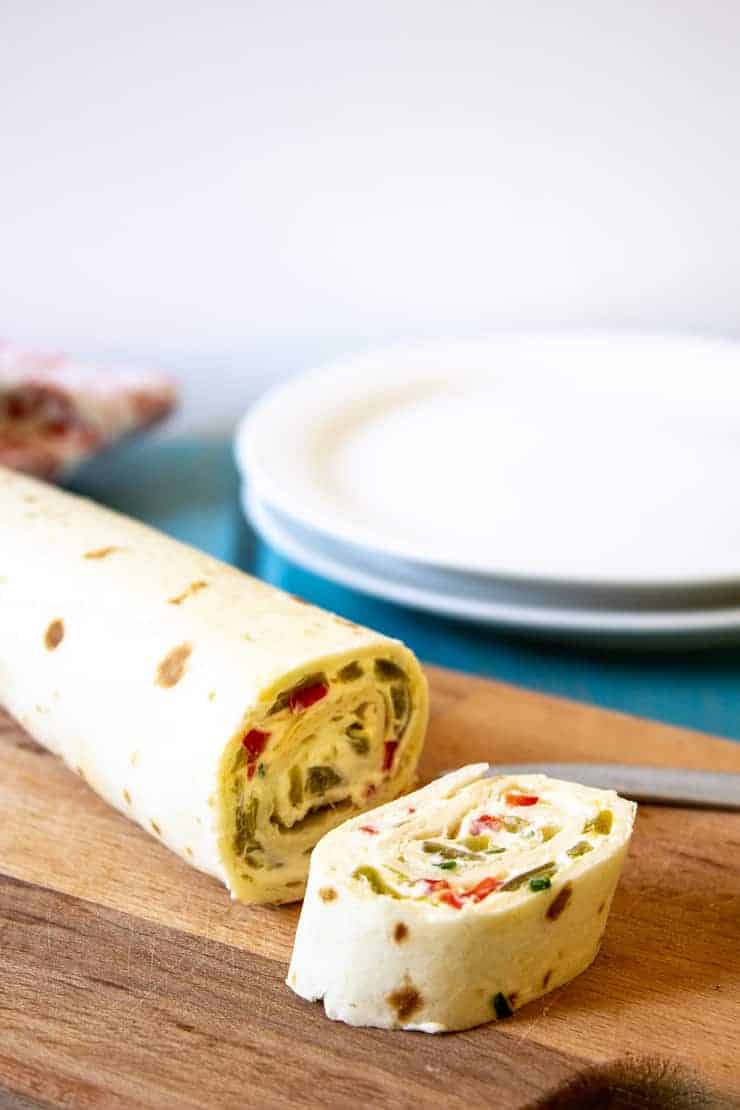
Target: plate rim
(590, 622)
(257, 420)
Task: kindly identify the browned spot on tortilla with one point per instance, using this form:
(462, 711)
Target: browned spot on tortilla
(513, 997)
(54, 635)
(156, 828)
(327, 894)
(548, 977)
(400, 932)
(559, 902)
(172, 667)
(193, 588)
(405, 1001)
(601, 907)
(101, 552)
(127, 797)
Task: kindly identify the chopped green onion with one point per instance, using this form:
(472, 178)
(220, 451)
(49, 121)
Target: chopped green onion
(542, 883)
(447, 864)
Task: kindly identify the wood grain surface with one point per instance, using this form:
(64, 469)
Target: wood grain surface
(129, 979)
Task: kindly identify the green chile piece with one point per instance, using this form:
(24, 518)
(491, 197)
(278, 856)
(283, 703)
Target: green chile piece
(476, 843)
(350, 673)
(544, 872)
(386, 670)
(515, 824)
(295, 792)
(377, 882)
(281, 701)
(246, 827)
(446, 851)
(579, 849)
(358, 738)
(401, 708)
(320, 779)
(601, 823)
(240, 760)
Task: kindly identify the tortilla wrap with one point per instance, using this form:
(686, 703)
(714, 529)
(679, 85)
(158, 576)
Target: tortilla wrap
(233, 722)
(461, 902)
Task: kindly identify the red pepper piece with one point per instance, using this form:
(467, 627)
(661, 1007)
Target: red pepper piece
(306, 696)
(451, 899)
(255, 742)
(522, 799)
(411, 809)
(485, 823)
(251, 768)
(482, 889)
(389, 754)
(433, 885)
(369, 829)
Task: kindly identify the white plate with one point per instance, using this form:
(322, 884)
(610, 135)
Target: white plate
(321, 557)
(599, 460)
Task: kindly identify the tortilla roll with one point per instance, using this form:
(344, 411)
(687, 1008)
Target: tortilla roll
(230, 720)
(461, 902)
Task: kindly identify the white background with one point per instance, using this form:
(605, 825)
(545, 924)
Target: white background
(236, 191)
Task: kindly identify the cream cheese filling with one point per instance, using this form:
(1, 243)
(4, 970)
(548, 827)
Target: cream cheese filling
(323, 749)
(496, 839)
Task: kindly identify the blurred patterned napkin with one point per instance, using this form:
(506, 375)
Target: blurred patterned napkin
(55, 412)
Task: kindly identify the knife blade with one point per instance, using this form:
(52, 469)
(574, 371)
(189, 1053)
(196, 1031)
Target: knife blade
(670, 786)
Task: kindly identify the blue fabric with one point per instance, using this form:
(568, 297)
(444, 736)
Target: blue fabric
(190, 490)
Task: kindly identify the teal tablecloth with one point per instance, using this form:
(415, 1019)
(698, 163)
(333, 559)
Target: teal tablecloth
(190, 490)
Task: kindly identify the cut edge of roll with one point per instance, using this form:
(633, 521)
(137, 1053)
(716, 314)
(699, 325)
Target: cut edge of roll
(253, 888)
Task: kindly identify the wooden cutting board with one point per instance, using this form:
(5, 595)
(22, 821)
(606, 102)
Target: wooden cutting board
(128, 979)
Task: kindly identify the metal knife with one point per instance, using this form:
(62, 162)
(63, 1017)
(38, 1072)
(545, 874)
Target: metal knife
(669, 786)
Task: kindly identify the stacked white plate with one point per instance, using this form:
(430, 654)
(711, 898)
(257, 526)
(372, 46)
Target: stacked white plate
(583, 485)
